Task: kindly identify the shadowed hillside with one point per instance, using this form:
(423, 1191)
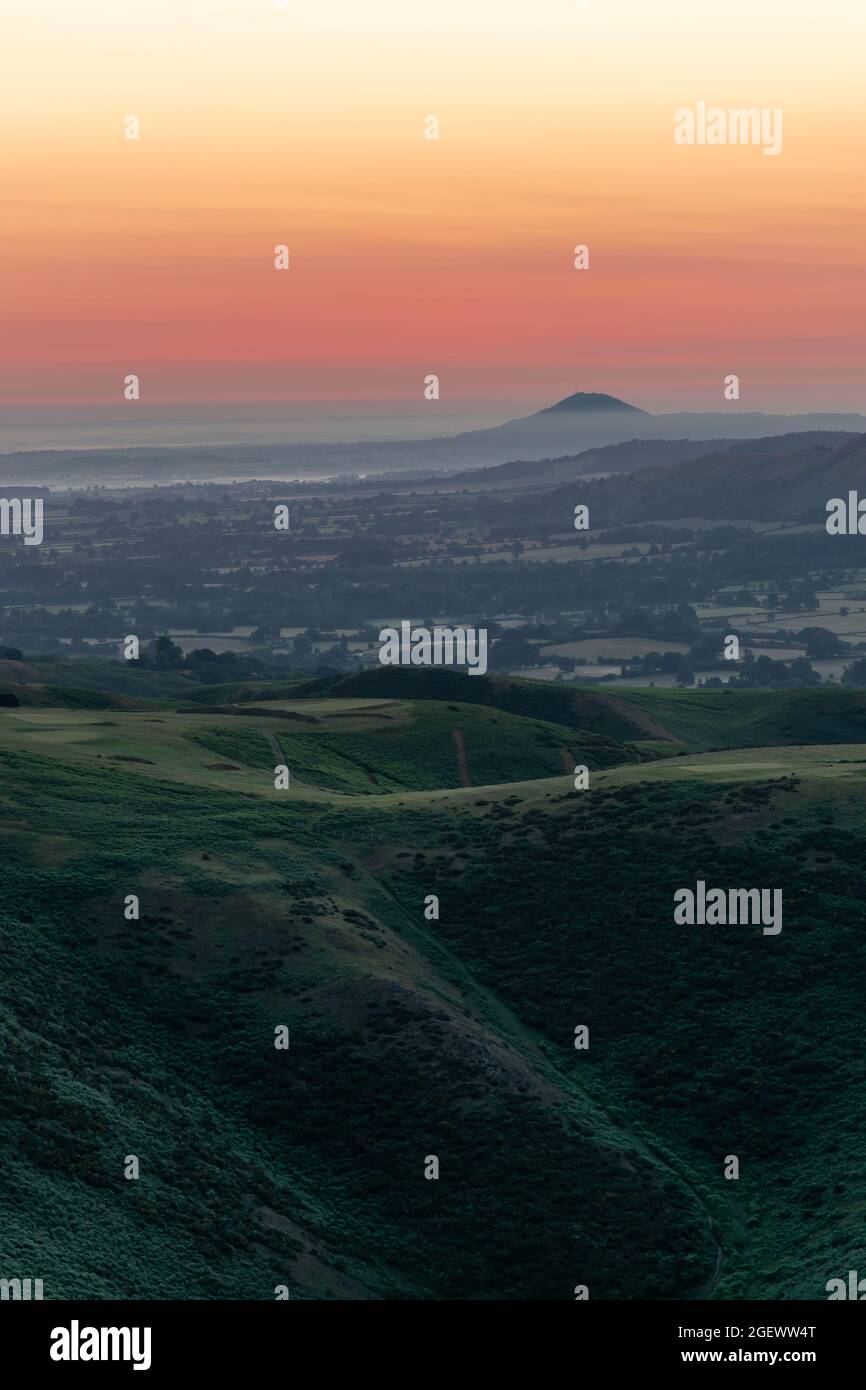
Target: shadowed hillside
(414, 1035)
(785, 479)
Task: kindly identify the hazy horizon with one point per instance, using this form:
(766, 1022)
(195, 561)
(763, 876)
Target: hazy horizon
(224, 424)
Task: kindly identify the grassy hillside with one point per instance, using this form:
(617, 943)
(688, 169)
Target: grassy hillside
(342, 746)
(694, 718)
(95, 679)
(560, 703)
(422, 745)
(599, 728)
(156, 1038)
(717, 1040)
(754, 718)
(411, 1037)
(244, 691)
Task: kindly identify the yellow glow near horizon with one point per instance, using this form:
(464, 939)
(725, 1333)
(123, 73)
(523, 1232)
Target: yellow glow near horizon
(304, 125)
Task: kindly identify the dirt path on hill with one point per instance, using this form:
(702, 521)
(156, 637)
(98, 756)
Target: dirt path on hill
(644, 721)
(465, 779)
(275, 748)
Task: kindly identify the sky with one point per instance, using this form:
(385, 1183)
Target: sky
(303, 124)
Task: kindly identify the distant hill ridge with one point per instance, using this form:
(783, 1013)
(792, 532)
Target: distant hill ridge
(789, 478)
(580, 421)
(627, 457)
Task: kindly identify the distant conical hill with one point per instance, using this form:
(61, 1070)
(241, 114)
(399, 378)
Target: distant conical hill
(588, 401)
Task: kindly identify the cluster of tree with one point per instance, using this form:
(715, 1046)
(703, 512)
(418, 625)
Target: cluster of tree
(674, 623)
(207, 667)
(763, 673)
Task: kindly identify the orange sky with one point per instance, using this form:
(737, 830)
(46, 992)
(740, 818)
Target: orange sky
(305, 125)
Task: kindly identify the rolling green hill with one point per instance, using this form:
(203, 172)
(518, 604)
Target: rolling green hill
(155, 1038)
(754, 718)
(330, 746)
(413, 1035)
(697, 719)
(420, 745)
(559, 703)
(88, 680)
